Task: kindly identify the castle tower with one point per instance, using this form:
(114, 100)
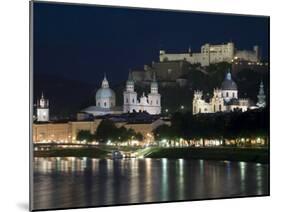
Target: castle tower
(154, 98)
(42, 109)
(261, 96)
(130, 96)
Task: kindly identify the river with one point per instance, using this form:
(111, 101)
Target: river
(82, 182)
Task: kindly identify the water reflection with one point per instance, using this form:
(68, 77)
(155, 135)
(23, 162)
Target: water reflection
(164, 174)
(74, 182)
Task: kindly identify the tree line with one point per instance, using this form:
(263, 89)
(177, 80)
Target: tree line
(234, 125)
(108, 131)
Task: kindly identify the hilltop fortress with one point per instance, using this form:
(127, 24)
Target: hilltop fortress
(213, 54)
(171, 67)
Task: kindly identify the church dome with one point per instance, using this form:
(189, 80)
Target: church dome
(105, 91)
(228, 83)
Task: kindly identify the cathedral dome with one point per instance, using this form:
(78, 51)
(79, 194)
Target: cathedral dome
(105, 91)
(228, 83)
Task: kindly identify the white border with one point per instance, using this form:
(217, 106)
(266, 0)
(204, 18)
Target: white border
(14, 105)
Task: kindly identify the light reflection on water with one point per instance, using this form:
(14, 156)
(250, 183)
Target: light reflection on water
(78, 182)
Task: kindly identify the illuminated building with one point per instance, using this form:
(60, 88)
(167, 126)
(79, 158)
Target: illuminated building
(224, 99)
(105, 101)
(42, 109)
(213, 54)
(150, 103)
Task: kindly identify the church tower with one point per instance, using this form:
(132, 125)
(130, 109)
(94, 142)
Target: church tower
(130, 96)
(261, 96)
(42, 109)
(197, 102)
(154, 98)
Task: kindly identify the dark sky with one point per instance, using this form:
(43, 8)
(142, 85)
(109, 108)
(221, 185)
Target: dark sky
(82, 42)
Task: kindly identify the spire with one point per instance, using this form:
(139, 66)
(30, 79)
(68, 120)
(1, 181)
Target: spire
(154, 77)
(130, 76)
(130, 82)
(105, 83)
(228, 75)
(42, 95)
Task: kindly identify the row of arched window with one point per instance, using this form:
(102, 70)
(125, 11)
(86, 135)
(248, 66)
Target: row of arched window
(228, 95)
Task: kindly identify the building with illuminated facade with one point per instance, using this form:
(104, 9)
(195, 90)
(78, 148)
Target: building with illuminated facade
(105, 101)
(150, 103)
(42, 109)
(213, 54)
(225, 99)
(66, 132)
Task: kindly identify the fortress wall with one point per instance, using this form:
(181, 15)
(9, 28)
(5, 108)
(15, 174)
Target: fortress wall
(247, 55)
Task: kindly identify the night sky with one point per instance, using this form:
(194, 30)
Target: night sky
(82, 42)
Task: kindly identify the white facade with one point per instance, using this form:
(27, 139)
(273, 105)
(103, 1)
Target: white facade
(213, 54)
(223, 100)
(43, 109)
(150, 103)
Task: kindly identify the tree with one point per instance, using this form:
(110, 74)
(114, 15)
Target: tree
(85, 135)
(106, 131)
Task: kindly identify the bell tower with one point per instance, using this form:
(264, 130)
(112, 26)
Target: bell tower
(130, 96)
(154, 98)
(42, 109)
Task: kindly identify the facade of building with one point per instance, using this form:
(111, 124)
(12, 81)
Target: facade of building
(150, 103)
(213, 54)
(224, 99)
(42, 109)
(105, 101)
(66, 132)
